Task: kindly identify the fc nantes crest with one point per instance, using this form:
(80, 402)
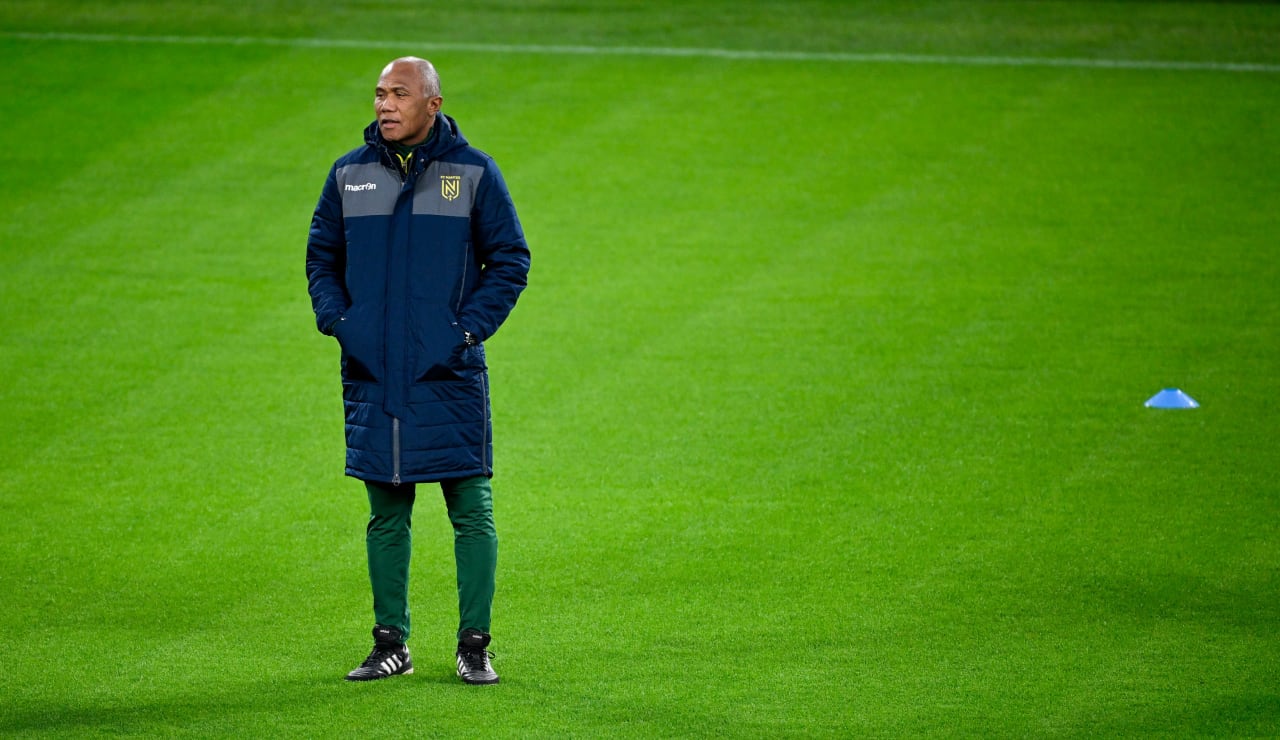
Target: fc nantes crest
(449, 185)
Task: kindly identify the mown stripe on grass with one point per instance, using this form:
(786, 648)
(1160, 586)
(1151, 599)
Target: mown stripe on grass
(663, 51)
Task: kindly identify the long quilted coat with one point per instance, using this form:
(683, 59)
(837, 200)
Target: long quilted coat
(398, 267)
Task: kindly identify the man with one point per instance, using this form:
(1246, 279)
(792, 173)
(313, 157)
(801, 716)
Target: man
(414, 258)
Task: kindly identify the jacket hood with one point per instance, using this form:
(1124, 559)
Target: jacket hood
(446, 138)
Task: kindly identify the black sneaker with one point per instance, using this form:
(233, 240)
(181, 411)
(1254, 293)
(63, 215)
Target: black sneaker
(473, 658)
(389, 658)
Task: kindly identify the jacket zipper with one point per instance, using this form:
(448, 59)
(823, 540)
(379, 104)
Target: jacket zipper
(462, 284)
(484, 448)
(403, 172)
(395, 451)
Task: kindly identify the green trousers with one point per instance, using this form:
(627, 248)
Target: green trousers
(389, 542)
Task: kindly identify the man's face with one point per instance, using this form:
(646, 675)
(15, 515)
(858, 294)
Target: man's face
(405, 113)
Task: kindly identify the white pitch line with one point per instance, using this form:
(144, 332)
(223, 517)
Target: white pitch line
(660, 51)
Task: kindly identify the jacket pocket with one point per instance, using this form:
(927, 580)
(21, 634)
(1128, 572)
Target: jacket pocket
(440, 351)
(360, 346)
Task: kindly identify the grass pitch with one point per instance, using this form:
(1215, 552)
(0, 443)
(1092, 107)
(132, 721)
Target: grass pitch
(822, 414)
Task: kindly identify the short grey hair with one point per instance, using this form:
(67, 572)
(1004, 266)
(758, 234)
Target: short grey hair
(430, 79)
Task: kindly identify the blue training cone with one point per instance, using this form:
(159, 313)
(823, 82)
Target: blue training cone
(1171, 398)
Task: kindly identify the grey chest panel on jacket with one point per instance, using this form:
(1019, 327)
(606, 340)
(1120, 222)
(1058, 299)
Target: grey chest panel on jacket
(443, 189)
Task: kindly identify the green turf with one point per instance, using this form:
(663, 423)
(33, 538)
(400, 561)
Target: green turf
(822, 415)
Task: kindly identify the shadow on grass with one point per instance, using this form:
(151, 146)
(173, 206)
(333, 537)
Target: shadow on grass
(1244, 714)
(304, 705)
(1250, 605)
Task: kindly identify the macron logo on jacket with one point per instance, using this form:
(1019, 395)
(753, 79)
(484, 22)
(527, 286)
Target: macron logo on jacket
(364, 186)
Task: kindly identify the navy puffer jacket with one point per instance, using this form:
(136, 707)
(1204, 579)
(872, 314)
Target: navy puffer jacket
(398, 267)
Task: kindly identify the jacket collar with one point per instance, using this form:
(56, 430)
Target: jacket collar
(445, 137)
